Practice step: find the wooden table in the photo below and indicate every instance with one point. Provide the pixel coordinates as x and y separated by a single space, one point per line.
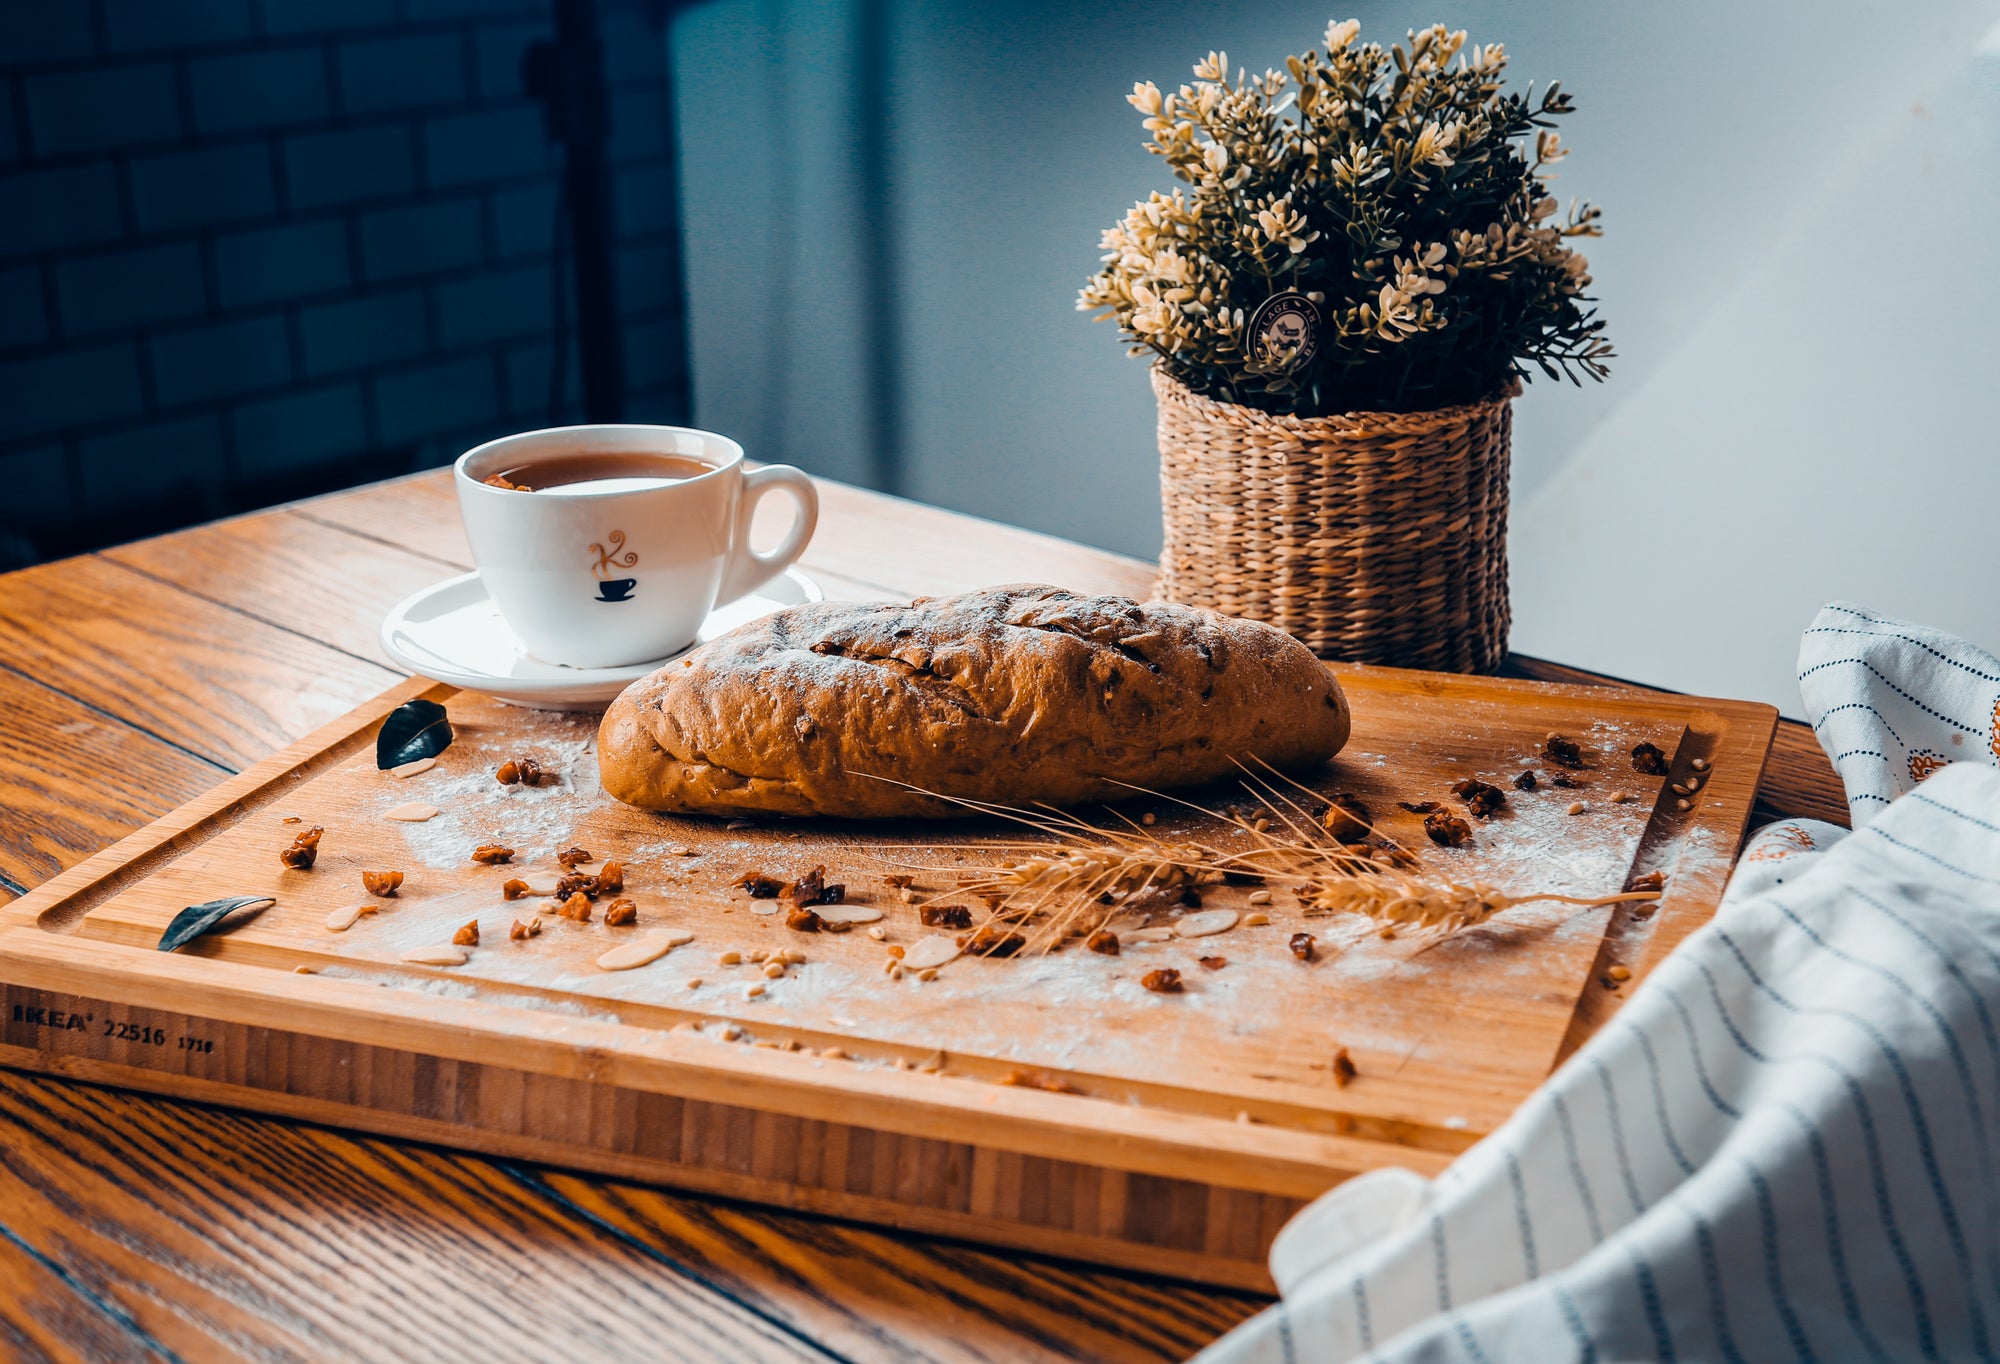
131 1227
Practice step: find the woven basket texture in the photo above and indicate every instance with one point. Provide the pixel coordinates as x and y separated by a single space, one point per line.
1374 537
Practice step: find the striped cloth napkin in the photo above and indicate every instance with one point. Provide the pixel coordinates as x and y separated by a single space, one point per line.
1782 1147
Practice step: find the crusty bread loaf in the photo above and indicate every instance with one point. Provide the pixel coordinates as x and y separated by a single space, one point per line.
1010 694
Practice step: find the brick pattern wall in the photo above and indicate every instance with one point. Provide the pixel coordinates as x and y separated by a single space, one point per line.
255 248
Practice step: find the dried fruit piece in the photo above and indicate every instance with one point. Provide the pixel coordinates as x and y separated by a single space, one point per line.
492 855
569 859
802 920
1347 819
1648 759
1164 981
1213 963
760 886
1418 807
994 940
1565 781
1563 751
304 849
468 934
945 916
611 878
620 913
900 880
1482 799
577 883
1343 1068
522 929
805 890
382 883
576 906
1447 830
1526 781
514 889
501 481
525 771
1652 880
1302 946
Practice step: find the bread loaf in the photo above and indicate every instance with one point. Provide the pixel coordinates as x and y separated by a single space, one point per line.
1010 694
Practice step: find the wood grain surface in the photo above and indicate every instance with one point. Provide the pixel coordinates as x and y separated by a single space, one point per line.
144 1229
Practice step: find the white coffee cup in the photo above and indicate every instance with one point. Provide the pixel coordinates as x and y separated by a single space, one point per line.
607 578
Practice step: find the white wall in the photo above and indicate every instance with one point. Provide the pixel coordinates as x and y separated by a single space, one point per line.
1793 273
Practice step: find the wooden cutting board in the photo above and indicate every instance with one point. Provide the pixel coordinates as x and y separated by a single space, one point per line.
1048 1102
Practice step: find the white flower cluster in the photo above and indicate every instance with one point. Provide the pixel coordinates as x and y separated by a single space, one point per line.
1393 188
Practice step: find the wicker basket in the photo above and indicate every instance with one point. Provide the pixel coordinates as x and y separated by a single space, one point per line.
1374 537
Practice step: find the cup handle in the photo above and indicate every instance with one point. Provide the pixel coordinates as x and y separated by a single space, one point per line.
749 570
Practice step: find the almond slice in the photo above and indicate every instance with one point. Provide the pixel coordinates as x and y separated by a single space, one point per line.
343 919
847 914
412 812
1149 935
930 951
647 949
412 769
436 956
1206 923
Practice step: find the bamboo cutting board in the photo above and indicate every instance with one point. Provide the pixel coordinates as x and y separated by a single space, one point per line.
1045 1102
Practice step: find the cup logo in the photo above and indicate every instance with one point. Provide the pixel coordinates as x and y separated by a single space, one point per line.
608 561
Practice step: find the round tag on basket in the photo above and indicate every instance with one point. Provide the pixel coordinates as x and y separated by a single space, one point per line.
1284 332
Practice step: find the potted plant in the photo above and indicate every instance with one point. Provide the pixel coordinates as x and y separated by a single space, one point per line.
1363 262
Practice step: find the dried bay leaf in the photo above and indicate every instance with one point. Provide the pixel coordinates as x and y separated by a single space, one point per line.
412 731
196 920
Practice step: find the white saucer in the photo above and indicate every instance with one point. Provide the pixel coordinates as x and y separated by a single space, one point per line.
452 632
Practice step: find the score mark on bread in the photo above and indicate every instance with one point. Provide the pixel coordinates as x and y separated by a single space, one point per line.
1009 694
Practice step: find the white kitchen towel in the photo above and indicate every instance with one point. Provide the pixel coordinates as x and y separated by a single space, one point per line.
1780 1148
1891 703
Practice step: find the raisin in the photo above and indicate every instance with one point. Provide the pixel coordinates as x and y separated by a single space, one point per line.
1649 760
945 916
993 940
1564 752
621 912
1483 799
1343 1068
1347 819
1213 963
1302 946
1526 781
467 935
611 879
1165 981
1447 830
492 854
383 883
1103 940
803 920
569 859
1418 807
304 850
760 886
514 889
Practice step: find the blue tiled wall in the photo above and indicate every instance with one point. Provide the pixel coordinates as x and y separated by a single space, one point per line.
276 245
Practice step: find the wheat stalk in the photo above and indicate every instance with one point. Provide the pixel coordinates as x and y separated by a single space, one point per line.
1083 875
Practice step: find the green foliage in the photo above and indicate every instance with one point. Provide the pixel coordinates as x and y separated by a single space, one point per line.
1401 191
